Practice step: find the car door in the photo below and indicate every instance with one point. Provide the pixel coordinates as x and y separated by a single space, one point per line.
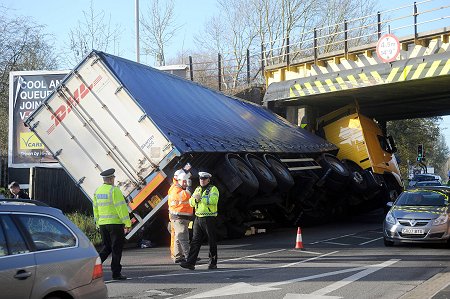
17 263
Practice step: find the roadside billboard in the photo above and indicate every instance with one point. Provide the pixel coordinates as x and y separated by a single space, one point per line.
27 90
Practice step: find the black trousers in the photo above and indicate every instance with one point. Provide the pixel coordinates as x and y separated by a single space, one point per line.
113 238
203 227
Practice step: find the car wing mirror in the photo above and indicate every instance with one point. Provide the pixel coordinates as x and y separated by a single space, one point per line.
389 204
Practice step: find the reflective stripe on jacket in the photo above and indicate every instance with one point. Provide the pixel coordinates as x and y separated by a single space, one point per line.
179 201
208 203
110 206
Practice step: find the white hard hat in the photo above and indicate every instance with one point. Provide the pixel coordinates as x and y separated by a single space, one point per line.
203 174
182 177
177 173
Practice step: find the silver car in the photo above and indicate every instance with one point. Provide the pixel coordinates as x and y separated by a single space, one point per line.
419 215
44 255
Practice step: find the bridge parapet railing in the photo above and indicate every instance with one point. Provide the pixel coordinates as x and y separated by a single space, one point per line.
341 37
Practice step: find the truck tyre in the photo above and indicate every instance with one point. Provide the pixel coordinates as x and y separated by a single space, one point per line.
284 178
372 183
250 184
266 179
357 178
339 171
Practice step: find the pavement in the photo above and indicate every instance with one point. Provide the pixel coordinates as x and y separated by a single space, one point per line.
437 287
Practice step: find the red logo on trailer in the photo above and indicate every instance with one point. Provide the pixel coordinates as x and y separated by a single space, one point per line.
388 48
79 94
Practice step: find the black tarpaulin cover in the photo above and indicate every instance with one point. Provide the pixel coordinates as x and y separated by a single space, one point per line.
198 119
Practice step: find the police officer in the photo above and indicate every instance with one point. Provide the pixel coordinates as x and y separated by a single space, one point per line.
111 216
204 200
180 214
15 190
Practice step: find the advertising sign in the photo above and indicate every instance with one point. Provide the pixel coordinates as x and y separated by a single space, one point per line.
27 90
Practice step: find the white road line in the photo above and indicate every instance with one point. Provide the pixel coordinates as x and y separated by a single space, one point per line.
339 284
308 260
184 273
245 288
304 251
364 243
332 239
361 237
336 243
249 256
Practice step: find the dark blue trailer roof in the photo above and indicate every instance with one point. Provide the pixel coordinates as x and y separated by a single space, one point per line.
198 119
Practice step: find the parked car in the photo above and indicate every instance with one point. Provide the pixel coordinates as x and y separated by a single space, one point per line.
423 177
44 255
419 215
427 183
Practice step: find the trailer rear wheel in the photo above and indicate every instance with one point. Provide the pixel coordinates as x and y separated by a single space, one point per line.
339 171
284 179
267 180
250 184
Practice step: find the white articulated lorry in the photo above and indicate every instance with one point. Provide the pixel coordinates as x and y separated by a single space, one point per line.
112 112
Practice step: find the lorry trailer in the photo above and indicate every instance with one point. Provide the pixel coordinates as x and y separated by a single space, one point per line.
110 112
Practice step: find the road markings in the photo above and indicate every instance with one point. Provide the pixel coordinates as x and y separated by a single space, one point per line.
331 239
364 243
308 260
336 243
245 288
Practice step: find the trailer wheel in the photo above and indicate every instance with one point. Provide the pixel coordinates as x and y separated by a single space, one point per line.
267 180
284 178
250 184
339 171
357 178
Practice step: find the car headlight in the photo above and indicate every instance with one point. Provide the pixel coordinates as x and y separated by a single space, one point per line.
390 219
441 219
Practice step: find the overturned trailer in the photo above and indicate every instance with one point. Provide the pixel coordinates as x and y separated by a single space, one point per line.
112 112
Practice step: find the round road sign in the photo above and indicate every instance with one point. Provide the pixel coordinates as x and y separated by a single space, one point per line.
388 47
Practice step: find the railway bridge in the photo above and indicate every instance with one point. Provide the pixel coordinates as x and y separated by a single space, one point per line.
415 84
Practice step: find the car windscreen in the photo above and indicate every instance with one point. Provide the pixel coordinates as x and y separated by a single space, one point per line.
422 198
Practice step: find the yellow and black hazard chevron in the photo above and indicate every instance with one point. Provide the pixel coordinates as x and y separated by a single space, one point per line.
414 69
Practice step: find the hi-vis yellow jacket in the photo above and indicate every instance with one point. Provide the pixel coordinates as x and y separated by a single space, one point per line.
207 207
110 206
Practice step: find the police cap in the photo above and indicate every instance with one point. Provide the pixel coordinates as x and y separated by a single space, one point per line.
204 175
108 173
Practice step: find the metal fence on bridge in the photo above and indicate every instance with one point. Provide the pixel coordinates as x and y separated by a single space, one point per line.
230 73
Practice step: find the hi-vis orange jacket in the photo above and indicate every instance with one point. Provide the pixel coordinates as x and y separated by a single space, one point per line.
179 202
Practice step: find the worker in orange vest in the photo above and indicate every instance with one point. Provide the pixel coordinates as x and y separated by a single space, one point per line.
180 214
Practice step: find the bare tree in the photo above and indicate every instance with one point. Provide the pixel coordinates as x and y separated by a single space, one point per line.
94 31
229 33
159 27
23 46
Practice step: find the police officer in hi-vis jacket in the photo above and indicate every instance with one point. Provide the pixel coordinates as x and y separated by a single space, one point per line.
111 216
204 200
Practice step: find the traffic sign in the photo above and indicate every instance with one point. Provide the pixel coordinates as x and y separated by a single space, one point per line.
388 47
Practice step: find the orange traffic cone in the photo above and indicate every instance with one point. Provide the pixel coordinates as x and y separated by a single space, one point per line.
298 241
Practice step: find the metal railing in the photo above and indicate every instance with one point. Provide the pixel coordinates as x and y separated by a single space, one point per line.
231 74
341 37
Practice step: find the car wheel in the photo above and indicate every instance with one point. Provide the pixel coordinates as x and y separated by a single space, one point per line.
388 243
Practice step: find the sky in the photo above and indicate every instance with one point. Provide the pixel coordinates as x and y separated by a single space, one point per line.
60 16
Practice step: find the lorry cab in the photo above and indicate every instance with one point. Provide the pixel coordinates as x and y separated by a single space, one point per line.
361 140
